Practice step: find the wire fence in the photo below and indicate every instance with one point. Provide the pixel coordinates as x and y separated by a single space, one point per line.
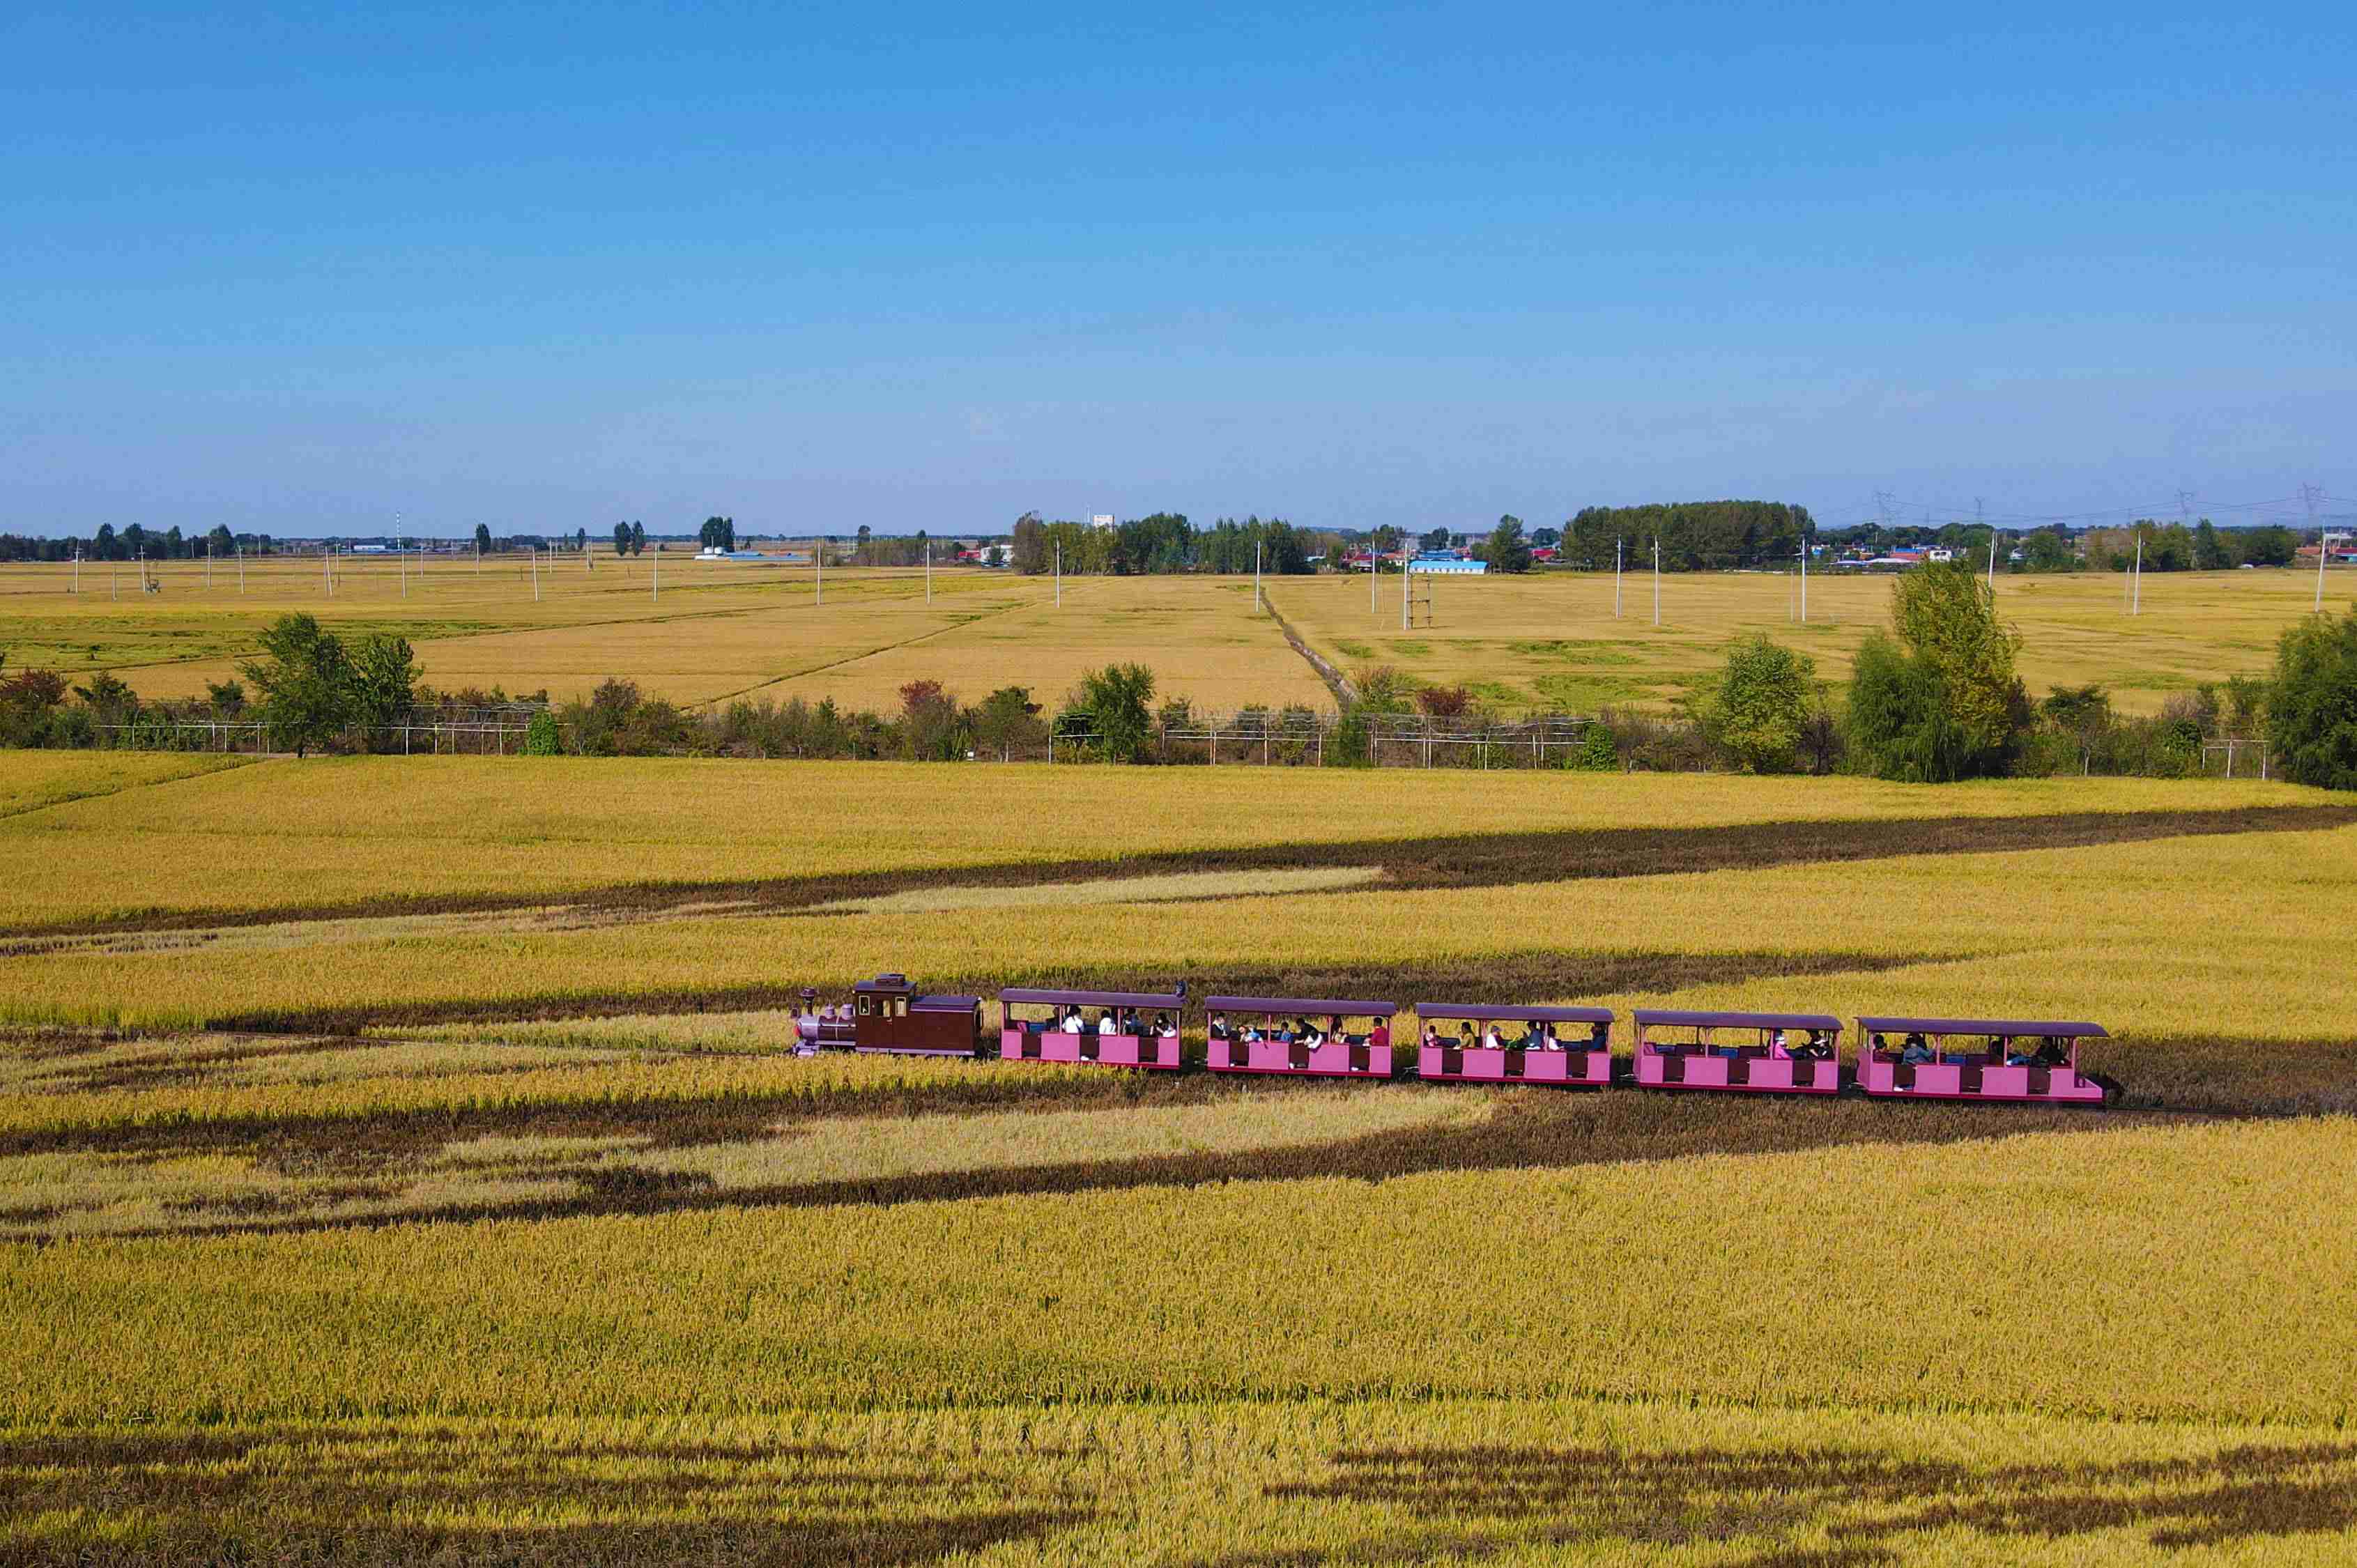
451 731
1313 740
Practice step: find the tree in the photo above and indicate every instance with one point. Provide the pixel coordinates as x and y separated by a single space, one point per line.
102 546
1118 700
581 539
1943 701
1546 538
2312 705
220 544
1761 705
304 679
621 539
1434 539
2047 551
863 544
482 539
1008 720
1507 551
719 534
383 682
638 538
2210 552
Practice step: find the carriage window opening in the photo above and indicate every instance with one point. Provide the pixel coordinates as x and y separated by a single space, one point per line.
862 1006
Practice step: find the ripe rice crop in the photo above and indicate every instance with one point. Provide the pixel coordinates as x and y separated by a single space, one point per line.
2066 1275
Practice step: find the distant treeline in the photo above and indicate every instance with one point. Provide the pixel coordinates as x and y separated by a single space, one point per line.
1695 536
1167 543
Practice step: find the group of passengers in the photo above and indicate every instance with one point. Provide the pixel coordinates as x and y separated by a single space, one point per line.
1915 1050
1782 1045
1302 1031
1536 1036
1076 1020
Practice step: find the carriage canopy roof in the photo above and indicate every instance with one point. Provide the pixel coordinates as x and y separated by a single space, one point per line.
1677 1019
1303 1005
2047 1030
1171 999
1479 1012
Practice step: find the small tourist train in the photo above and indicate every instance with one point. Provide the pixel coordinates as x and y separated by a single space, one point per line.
2033 1061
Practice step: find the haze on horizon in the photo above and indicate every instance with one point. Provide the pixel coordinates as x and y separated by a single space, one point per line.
304 271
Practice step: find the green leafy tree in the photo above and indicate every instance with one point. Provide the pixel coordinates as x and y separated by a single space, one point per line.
542 737
1507 550
483 537
1761 706
220 544
304 678
2209 551
2312 704
383 683
638 538
621 539
1009 721
1118 700
1434 539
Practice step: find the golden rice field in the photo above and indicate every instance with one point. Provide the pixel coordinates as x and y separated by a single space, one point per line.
1547 641
400 1161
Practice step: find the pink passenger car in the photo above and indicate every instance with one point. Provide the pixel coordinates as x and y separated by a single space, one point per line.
1264 1034
1116 1028
1585 1058
2006 1058
1768 1053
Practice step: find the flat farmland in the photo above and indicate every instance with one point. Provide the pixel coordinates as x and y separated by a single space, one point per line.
400 1160
1547 641
1551 640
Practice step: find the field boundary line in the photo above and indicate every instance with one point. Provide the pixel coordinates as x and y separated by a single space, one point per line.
237 760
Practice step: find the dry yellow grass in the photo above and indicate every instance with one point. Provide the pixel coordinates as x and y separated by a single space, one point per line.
31 780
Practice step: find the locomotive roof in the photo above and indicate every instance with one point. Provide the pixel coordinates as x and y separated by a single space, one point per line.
945 1003
2052 1030
1678 1018
1514 1015
1097 998
1304 1005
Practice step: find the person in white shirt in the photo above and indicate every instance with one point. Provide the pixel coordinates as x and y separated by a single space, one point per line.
1109 1022
1492 1040
1073 1024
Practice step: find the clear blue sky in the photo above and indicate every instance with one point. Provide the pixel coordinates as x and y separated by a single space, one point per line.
306 268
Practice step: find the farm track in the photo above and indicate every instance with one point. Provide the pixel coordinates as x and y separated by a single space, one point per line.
1449 861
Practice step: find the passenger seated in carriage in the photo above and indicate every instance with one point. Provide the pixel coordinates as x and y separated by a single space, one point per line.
1466 1040
1432 1041
1072 1023
1219 1025
1109 1022
2003 1049
1164 1029
2050 1052
1599 1035
1917 1051
1493 1038
1306 1033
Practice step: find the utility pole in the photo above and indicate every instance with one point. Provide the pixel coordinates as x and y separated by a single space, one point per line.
1373 606
1616 578
1657 580
929 570
818 559
657 595
2136 600
77 582
237 548
1407 588
1805 579
1059 573
2310 493
1256 578
536 574
209 560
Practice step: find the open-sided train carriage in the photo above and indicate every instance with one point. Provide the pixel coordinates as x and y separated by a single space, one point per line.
1114 1029
1548 1045
2015 1058
1784 1053
889 1018
1266 1034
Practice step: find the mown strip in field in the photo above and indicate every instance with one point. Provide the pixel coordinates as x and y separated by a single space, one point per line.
1462 859
1314 1483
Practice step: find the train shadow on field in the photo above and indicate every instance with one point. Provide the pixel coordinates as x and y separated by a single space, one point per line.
385 1496
1833 1508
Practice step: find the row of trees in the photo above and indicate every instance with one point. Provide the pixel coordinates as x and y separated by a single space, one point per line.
1694 535
1167 543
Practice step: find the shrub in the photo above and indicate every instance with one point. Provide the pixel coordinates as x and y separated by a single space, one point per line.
1596 754
542 737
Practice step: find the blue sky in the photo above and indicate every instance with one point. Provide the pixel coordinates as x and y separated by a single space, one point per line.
310 269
